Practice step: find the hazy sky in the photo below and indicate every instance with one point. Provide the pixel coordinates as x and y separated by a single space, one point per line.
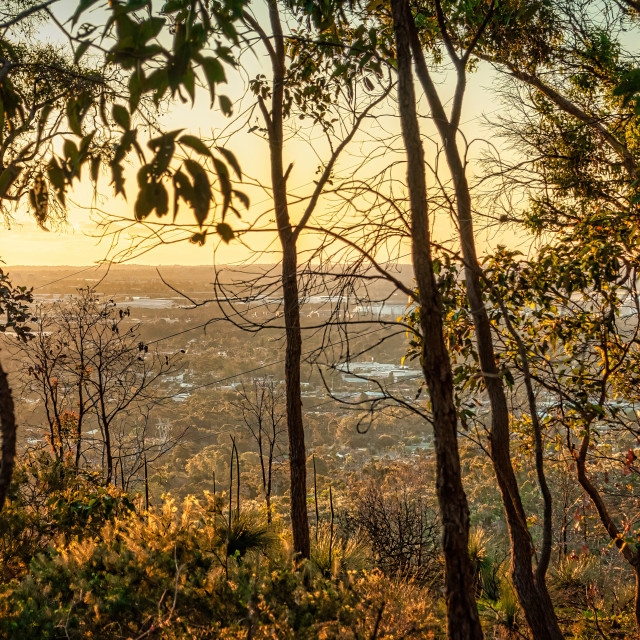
77 242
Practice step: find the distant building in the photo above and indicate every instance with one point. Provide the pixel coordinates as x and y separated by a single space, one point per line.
358 372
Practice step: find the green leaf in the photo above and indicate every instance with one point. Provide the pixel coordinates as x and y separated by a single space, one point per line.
181 189
158 82
39 199
136 88
121 116
80 51
224 231
196 144
160 199
225 183
144 204
214 72
70 150
199 238
189 82
85 143
173 5
74 117
508 377
117 178
95 168
7 178
225 105
164 147
201 195
231 159
150 29
57 179
83 5
243 197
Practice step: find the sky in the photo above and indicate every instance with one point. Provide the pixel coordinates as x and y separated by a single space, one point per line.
77 242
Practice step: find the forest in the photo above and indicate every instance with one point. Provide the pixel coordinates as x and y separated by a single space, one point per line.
402 398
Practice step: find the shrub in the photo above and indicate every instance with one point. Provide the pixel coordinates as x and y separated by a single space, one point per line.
401 529
171 570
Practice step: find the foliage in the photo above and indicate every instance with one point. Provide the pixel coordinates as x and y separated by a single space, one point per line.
39 85
484 564
245 533
15 307
165 570
80 556
80 561
89 116
335 554
50 500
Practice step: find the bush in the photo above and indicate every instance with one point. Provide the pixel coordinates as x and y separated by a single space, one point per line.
335 555
484 565
48 500
401 529
172 569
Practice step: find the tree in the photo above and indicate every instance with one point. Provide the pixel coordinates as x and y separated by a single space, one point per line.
462 613
46 97
530 587
88 367
578 118
579 74
34 83
401 527
49 99
584 356
94 112
130 40
300 77
462 31
263 414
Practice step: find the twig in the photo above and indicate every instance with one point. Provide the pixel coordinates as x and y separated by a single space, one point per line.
376 626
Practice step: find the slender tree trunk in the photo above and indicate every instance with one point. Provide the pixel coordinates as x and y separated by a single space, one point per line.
629 553
288 234
295 427
81 412
462 614
565 521
636 602
532 594
267 499
107 451
146 485
268 485
106 431
8 429
293 354
545 553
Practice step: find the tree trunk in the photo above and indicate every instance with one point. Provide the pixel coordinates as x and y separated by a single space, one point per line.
8 429
636 602
532 594
628 552
295 427
108 453
81 412
462 614
268 484
293 354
